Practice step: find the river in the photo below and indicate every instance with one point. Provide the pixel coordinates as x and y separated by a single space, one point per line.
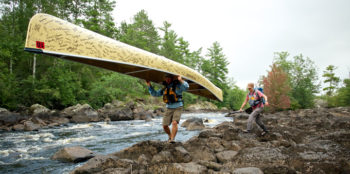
30 152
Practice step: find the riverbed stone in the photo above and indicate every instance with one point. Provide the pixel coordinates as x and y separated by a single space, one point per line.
30 126
73 154
81 114
193 124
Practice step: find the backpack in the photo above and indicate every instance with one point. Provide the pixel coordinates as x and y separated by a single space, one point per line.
169 94
262 91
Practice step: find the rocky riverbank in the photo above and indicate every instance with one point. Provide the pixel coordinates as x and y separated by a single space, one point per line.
37 116
304 141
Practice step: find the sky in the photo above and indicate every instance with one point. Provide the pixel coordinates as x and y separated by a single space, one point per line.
251 31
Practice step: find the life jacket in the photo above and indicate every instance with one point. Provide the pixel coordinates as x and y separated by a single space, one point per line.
169 92
254 98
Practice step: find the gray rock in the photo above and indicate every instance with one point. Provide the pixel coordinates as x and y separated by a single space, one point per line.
37 110
226 156
105 164
30 126
8 118
248 170
193 124
81 113
18 127
73 154
185 168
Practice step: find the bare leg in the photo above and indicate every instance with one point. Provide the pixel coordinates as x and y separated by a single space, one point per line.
174 130
167 130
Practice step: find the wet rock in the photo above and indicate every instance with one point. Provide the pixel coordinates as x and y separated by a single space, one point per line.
37 120
30 126
193 124
8 118
73 154
18 127
81 114
248 170
117 114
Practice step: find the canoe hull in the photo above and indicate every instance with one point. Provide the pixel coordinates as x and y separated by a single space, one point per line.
53 36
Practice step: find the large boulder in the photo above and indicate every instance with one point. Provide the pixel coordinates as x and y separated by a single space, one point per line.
81 114
193 124
8 118
139 113
157 152
117 112
226 156
106 164
39 110
73 154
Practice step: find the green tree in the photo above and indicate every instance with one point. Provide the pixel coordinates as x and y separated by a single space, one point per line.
343 96
215 67
331 79
302 78
169 41
140 33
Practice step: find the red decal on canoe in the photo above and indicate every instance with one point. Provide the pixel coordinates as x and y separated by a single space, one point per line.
40 44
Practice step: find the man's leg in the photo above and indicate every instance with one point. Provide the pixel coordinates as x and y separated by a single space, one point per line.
173 130
252 117
167 130
167 120
175 122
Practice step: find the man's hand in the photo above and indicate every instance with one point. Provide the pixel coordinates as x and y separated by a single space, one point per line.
148 83
241 110
179 78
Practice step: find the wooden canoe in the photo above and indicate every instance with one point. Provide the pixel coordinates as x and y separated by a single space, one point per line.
55 37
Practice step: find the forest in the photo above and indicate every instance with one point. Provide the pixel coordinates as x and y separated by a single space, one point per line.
292 82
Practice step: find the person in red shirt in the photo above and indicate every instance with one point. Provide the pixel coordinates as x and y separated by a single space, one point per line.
254 97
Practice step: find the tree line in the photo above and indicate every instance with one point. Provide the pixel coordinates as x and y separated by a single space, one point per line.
27 78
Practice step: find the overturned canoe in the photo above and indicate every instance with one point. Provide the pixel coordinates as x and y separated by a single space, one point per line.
55 37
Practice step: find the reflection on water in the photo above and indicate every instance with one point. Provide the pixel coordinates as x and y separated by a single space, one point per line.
30 152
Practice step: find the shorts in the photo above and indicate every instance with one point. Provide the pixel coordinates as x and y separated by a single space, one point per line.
171 115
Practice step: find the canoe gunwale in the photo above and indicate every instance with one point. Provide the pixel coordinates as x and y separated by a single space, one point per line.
63 55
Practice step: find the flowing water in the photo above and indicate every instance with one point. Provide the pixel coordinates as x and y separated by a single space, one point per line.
30 152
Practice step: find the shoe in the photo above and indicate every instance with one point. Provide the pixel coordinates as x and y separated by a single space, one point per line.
172 141
264 133
246 131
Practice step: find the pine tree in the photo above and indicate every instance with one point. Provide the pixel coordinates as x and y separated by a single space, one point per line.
216 66
331 79
140 33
